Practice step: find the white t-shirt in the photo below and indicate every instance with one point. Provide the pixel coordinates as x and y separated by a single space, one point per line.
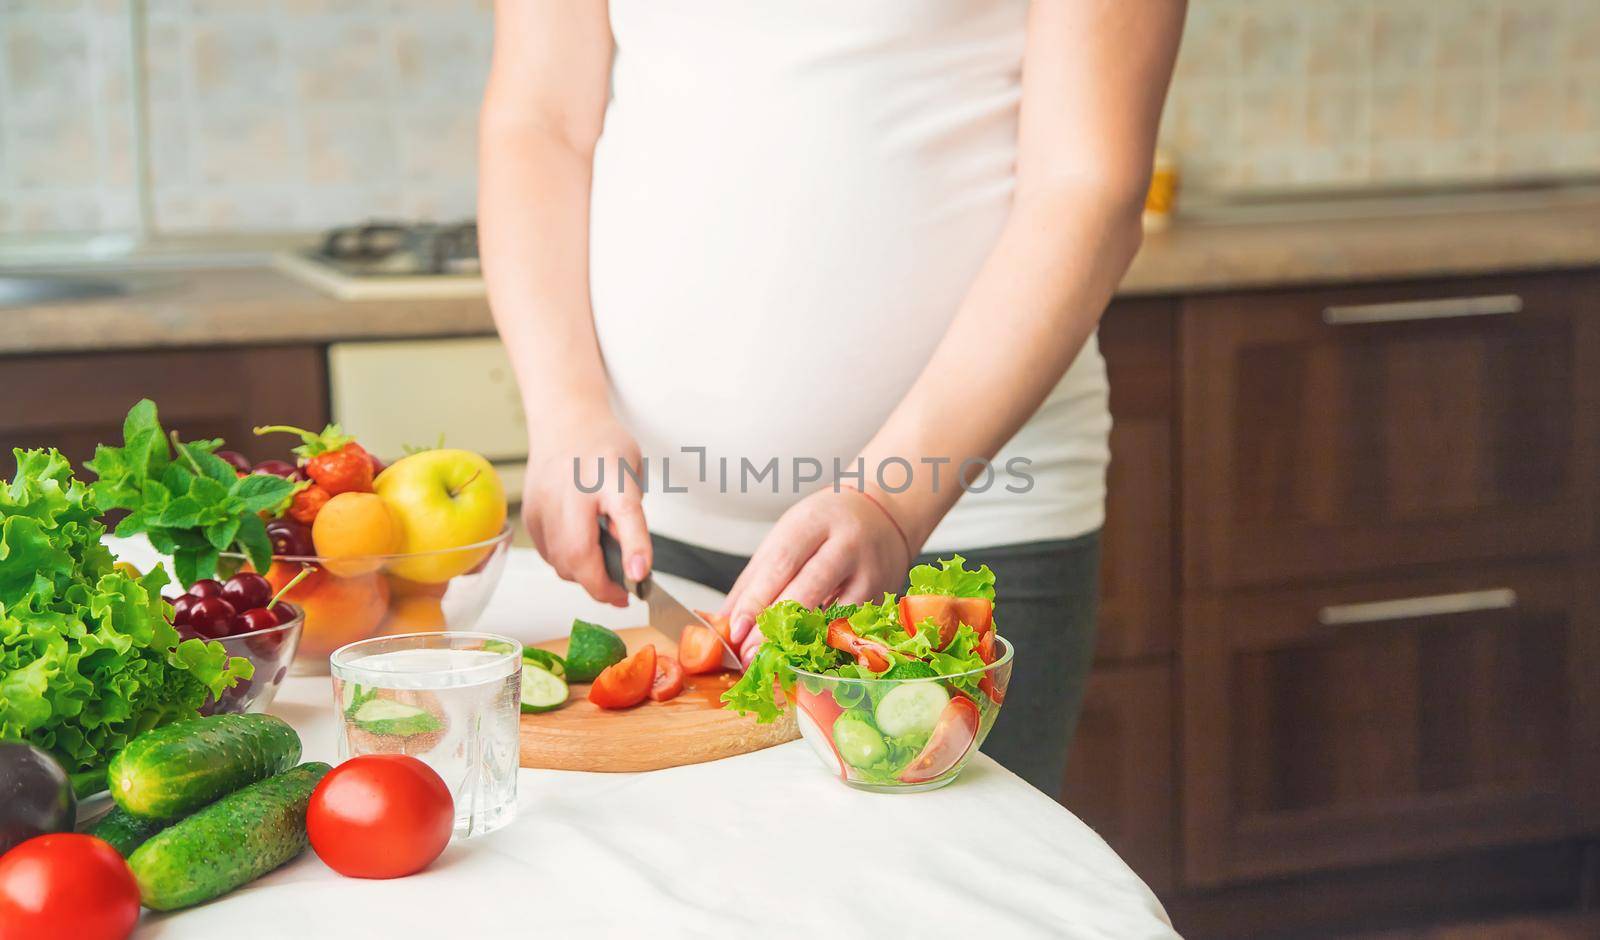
790 201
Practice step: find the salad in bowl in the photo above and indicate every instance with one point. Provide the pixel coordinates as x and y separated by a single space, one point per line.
894 696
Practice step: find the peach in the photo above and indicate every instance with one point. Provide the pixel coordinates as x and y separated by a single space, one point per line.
353 528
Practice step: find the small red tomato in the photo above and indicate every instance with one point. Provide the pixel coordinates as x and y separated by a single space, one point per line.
380 816
66 885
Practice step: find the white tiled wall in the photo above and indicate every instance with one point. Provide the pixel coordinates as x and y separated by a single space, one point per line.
1276 94
275 114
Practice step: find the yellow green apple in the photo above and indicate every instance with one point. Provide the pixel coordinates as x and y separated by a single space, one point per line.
442 499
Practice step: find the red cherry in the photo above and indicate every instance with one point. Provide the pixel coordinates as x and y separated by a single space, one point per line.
291 538
246 590
276 468
181 609
211 617
206 587
258 618
235 460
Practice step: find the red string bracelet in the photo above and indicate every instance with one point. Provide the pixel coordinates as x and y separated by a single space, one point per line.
890 516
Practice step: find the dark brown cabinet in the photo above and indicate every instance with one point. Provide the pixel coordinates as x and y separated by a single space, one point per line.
1120 779
72 402
1350 620
1383 720
1329 433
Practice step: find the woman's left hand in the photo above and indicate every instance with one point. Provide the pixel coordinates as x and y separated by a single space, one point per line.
830 546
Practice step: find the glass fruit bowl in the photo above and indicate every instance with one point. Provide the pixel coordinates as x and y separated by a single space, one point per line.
361 596
900 735
270 651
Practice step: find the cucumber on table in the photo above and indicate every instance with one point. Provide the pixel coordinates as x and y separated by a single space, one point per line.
542 691
178 768
232 842
591 649
125 832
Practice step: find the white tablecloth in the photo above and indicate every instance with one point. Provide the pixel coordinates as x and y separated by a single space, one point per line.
767 844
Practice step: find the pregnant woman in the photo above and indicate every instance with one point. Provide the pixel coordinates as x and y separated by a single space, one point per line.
813 263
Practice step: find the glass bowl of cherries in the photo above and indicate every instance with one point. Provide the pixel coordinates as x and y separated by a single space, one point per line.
246 616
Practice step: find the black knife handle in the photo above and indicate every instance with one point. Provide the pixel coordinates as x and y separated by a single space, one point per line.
611 549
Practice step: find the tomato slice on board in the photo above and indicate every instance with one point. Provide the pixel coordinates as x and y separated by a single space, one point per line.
952 736
669 679
948 612
816 715
868 653
699 650
625 684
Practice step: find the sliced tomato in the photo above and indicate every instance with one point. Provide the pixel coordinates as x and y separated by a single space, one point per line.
948 612
719 623
699 650
976 612
951 738
815 717
669 679
625 684
868 653
987 685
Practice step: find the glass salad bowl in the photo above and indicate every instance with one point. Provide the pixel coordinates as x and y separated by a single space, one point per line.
270 651
900 735
357 597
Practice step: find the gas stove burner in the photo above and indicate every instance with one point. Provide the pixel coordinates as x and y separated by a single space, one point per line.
394 248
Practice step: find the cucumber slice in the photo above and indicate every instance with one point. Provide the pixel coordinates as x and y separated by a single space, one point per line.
352 695
545 660
858 743
542 690
385 716
911 709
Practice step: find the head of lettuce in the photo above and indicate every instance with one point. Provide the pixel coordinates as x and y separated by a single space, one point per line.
88 658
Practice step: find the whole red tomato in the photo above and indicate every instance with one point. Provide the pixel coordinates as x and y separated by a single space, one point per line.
66 885
380 816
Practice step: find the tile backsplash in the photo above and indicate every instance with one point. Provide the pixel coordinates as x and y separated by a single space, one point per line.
300 114
1282 94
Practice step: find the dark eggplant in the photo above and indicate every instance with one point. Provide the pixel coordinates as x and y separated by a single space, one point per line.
35 794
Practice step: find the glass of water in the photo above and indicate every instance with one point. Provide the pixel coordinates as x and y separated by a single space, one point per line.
450 699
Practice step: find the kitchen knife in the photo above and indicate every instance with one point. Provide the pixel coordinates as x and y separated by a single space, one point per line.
667 614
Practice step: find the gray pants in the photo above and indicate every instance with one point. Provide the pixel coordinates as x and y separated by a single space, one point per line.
1048 596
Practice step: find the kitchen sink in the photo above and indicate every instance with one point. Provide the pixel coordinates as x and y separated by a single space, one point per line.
24 290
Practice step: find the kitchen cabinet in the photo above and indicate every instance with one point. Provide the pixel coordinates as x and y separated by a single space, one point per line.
1120 777
1137 618
1365 429
1380 720
1351 601
73 401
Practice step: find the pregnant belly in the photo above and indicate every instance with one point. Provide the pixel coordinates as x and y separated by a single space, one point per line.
762 317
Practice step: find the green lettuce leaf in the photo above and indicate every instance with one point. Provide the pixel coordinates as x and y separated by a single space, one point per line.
87 657
951 577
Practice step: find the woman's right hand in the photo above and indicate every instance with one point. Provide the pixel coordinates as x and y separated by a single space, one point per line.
562 519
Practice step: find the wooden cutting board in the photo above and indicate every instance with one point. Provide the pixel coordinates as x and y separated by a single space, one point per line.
689 729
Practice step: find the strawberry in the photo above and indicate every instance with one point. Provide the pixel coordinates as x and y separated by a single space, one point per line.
332 459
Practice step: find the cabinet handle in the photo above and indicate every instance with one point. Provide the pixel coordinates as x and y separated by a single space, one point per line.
1444 308
1405 608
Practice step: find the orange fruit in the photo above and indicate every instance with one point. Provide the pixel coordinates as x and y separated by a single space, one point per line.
417 613
339 610
351 529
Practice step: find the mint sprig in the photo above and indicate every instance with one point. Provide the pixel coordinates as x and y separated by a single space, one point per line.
189 502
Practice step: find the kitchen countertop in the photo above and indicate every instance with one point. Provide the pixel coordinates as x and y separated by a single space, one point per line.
735 846
220 306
